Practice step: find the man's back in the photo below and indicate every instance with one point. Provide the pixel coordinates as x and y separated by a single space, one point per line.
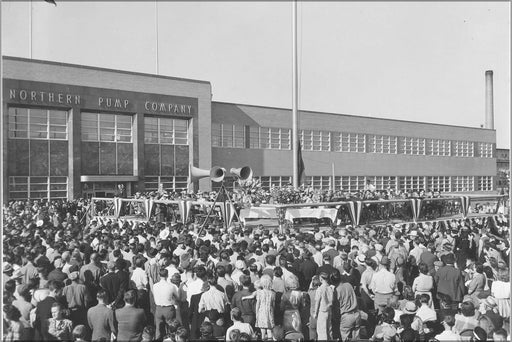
449 282
111 284
101 321
130 323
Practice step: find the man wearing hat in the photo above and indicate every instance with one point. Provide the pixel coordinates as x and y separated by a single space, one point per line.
449 280
489 308
383 284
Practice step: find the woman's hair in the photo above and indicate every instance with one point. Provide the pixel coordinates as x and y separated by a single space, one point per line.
406 320
467 309
315 282
423 268
79 332
479 268
292 283
234 335
266 282
11 312
278 272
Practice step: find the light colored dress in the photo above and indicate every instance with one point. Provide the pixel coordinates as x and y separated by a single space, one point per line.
501 292
265 302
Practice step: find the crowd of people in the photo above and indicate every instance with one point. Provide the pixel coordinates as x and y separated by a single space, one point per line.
65 279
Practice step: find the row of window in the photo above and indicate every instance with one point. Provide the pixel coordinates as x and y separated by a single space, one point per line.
224 135
152 183
401 183
52 124
38 187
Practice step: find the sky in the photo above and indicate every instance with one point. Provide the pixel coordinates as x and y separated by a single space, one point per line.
417 61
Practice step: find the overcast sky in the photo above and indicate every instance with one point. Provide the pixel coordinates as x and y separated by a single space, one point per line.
423 61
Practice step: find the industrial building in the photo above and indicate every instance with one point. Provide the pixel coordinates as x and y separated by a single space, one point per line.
72 131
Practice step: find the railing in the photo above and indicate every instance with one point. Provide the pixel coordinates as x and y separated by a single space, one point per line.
339 213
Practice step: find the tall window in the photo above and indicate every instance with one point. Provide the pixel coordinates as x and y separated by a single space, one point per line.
270 138
38 187
439 183
383 182
382 144
485 183
411 183
414 146
349 183
349 142
319 182
165 131
38 123
464 149
106 127
463 183
440 147
268 182
151 183
485 150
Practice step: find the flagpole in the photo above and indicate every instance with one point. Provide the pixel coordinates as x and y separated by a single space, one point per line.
30 30
156 29
295 118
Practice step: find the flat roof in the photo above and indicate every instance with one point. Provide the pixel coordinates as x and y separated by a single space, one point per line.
351 115
79 66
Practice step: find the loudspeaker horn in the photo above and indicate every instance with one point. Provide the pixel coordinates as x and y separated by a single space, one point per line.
217 174
197 173
243 173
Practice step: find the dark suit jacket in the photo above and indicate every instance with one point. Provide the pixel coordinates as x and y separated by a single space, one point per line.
101 321
450 282
111 283
130 323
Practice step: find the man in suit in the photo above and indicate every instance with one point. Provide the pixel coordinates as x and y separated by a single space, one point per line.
130 320
111 283
101 318
449 280
44 310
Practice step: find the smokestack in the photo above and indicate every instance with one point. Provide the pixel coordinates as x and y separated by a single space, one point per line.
489 102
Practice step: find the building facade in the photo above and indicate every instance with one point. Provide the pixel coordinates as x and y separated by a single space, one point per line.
73 131
503 169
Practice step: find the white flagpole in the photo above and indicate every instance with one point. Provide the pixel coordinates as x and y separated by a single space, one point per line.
295 118
156 40
30 30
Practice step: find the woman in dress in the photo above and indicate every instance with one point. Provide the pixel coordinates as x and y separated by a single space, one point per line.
17 328
500 290
292 302
423 283
265 302
59 327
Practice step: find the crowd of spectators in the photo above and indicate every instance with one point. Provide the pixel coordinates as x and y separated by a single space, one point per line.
68 279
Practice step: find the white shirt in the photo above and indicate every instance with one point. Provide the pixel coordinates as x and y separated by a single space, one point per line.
171 269
426 314
448 335
194 287
140 278
213 299
165 293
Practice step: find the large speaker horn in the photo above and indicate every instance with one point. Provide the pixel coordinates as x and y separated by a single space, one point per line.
197 173
243 172
217 174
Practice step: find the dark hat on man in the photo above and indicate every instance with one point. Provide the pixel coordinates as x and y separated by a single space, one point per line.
449 258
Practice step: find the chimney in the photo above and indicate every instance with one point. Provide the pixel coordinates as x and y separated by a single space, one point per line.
489 103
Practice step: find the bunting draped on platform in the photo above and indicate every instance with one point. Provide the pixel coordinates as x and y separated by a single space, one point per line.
182 207
358 206
117 206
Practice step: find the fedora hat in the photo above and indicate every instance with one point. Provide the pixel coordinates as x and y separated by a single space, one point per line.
410 308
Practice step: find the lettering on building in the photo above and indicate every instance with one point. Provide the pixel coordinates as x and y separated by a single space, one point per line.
109 102
43 96
171 108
